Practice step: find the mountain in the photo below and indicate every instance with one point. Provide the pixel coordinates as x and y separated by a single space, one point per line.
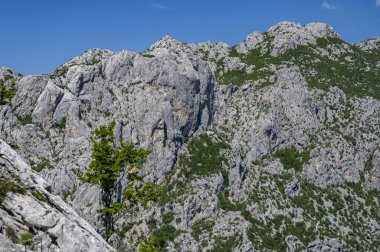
271 144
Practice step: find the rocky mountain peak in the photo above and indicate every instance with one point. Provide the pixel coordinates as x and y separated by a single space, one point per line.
288 35
369 44
321 30
91 56
165 45
253 40
316 30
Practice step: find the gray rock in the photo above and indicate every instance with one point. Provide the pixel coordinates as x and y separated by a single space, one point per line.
58 225
293 189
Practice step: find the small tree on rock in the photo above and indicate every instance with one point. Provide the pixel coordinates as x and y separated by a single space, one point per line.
110 164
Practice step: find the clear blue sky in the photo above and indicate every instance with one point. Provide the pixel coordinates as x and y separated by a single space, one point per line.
39 35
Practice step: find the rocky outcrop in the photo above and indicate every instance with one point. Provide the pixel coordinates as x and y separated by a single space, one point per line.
288 35
33 217
370 44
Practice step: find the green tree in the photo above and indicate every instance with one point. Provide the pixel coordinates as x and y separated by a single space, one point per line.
111 163
6 95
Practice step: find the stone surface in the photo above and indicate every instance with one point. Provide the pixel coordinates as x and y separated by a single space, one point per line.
55 225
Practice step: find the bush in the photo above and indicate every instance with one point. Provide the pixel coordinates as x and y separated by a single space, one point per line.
26 238
200 226
6 95
24 120
291 158
205 157
159 239
61 124
8 186
44 163
11 234
39 195
168 218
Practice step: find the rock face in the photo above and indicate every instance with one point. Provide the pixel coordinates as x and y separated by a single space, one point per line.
288 35
32 216
272 144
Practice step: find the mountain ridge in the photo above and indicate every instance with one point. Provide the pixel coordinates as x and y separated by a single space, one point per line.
269 144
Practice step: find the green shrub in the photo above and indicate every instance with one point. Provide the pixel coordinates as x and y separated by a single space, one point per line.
24 120
159 239
146 55
14 146
6 95
61 124
26 238
44 163
38 195
291 158
61 71
205 157
225 244
167 218
201 226
11 234
8 186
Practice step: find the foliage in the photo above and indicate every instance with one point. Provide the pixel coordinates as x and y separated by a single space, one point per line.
39 195
147 55
148 192
61 124
159 239
6 94
225 244
204 159
61 71
26 238
44 163
14 146
167 218
8 186
292 158
24 120
11 233
109 165
200 226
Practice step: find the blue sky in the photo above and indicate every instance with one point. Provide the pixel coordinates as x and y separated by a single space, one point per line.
39 35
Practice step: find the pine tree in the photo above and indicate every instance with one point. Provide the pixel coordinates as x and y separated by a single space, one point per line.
110 164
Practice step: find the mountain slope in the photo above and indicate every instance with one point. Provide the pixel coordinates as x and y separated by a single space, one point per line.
32 217
271 144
